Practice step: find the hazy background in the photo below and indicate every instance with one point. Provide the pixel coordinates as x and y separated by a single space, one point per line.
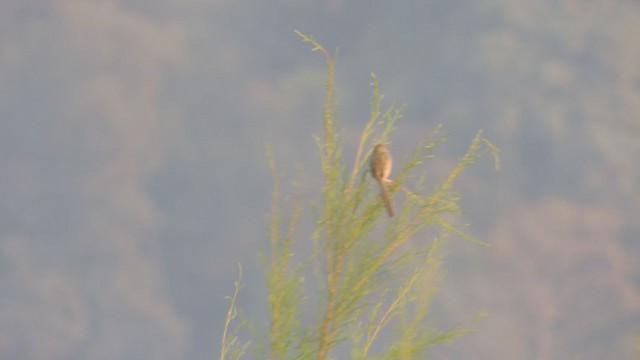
133 177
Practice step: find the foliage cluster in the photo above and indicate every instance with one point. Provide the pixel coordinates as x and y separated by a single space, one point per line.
377 276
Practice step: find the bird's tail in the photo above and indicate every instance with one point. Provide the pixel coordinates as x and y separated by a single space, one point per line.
385 198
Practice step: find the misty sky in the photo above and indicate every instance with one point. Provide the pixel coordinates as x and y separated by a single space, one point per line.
134 178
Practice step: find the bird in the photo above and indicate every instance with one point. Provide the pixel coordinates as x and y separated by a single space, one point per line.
380 171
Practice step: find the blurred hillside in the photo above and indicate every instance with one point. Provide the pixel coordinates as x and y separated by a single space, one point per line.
134 178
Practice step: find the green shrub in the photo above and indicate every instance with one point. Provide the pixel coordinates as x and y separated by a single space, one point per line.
377 275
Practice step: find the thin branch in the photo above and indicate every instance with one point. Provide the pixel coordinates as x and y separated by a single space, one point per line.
389 313
373 116
231 314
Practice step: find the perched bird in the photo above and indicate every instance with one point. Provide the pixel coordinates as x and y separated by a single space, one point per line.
380 170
